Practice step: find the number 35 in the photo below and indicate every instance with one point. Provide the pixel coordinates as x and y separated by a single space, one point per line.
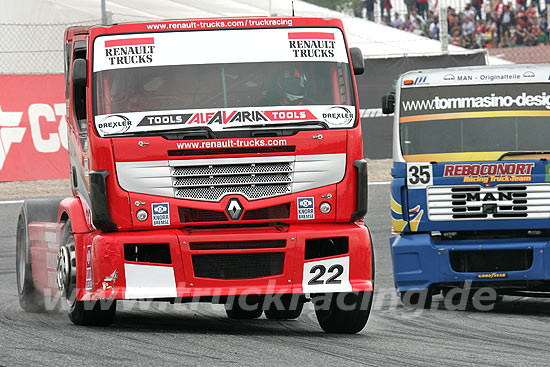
419 175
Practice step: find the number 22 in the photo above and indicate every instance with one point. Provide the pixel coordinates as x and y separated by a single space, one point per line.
320 270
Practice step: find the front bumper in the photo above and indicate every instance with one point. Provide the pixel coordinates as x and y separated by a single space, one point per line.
109 272
419 262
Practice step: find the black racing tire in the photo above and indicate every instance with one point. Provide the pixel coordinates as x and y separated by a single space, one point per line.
235 311
84 313
30 299
349 320
33 210
93 313
346 321
291 310
284 314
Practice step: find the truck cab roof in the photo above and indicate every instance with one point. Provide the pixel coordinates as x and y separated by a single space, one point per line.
502 74
197 24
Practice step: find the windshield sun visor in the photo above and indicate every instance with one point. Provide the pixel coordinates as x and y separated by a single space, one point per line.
142 83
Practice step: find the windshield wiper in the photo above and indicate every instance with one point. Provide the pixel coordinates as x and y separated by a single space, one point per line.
195 132
294 124
510 154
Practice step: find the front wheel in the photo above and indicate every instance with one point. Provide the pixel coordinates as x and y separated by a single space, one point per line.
348 312
93 313
291 308
344 313
85 313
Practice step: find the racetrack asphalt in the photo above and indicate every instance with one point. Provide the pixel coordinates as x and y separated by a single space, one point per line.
514 333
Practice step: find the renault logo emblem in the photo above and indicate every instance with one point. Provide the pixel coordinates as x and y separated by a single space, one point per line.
234 209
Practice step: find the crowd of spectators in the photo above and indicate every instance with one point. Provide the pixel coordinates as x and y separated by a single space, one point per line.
488 24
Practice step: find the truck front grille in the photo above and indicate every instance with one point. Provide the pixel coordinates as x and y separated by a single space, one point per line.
232 169
190 215
498 202
251 192
476 261
211 182
271 212
238 266
211 179
236 245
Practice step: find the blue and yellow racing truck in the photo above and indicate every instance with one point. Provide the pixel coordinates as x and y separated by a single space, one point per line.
470 195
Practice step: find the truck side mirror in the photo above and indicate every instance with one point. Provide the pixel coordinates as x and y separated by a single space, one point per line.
79 94
388 103
357 60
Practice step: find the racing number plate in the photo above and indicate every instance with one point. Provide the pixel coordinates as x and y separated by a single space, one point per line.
324 276
419 175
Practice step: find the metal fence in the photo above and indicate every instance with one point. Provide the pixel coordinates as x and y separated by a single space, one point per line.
33 48
38 48
398 6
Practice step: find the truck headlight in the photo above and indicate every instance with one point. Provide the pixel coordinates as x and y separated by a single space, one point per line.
142 215
325 208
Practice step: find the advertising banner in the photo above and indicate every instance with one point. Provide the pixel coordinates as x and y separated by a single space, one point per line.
33 130
258 45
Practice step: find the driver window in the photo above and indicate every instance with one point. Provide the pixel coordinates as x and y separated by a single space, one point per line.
79 94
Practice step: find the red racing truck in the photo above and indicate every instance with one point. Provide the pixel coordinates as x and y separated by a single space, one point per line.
212 160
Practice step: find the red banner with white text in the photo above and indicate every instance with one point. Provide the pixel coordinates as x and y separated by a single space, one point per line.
33 130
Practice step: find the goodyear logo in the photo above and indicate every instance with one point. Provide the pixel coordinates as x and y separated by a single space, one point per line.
492 275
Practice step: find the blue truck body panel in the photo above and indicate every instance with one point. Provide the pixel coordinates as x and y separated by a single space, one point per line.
420 260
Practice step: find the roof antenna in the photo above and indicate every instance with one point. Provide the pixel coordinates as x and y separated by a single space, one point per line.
292 7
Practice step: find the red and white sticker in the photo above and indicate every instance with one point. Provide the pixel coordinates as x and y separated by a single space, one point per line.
216 120
254 45
331 275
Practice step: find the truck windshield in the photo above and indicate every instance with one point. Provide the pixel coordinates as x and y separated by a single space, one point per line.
210 86
270 76
474 118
